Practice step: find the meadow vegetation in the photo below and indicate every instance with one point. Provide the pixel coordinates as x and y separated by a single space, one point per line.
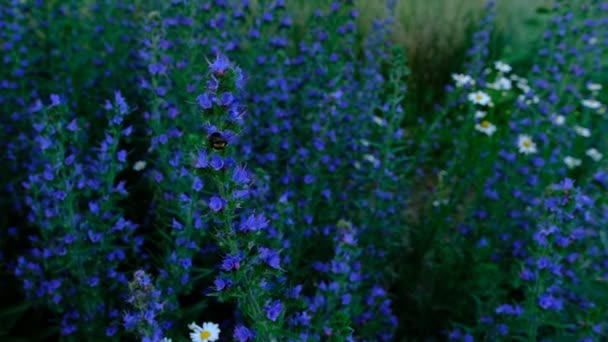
294 170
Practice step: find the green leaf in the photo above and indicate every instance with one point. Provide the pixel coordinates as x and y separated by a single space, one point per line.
15 310
543 10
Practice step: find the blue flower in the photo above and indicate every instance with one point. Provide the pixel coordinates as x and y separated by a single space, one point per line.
270 257
231 262
197 184
221 284
242 334
219 65
225 99
204 101
217 163
202 160
121 103
217 203
273 310
55 100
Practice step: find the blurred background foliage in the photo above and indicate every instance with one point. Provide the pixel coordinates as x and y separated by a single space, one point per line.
436 34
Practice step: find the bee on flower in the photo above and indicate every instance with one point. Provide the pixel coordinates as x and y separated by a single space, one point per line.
217 141
572 162
591 103
486 127
525 144
502 67
209 332
463 80
480 98
594 154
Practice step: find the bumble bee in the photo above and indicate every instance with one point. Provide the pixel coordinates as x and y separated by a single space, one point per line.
217 141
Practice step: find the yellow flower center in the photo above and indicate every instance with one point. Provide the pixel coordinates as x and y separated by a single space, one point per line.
204 334
478 97
527 143
485 124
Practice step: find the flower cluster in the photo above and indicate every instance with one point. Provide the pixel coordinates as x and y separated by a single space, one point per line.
271 170
555 269
73 195
248 268
148 305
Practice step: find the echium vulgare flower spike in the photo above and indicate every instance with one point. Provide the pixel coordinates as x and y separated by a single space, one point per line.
384 163
479 51
248 269
556 265
340 289
72 196
178 191
147 303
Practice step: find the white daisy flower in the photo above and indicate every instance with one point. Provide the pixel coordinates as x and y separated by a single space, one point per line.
521 98
572 162
440 202
594 154
364 142
582 131
379 121
502 67
463 80
592 103
592 41
373 160
525 144
480 114
502 83
209 332
139 165
480 98
524 87
505 83
594 86
558 120
486 127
